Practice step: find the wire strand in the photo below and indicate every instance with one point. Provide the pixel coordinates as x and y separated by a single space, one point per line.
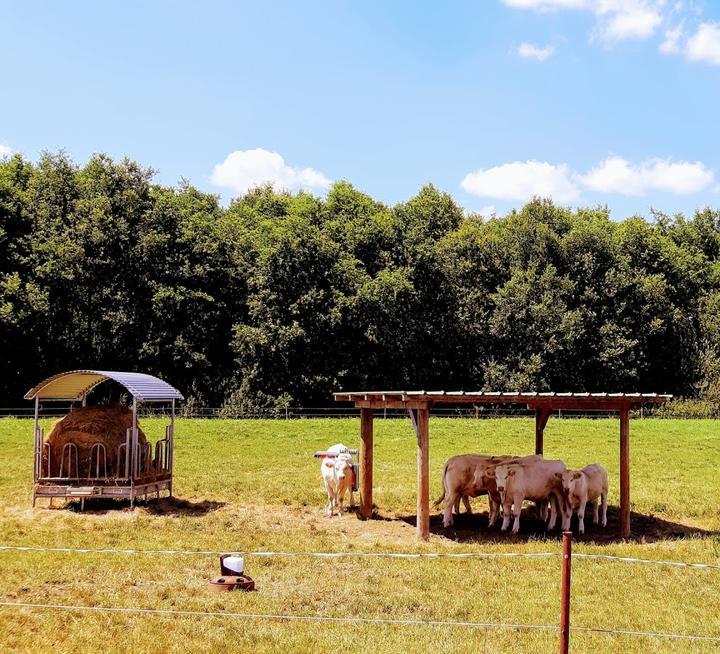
368 555
356 620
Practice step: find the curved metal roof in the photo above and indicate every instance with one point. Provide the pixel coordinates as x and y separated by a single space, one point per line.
74 384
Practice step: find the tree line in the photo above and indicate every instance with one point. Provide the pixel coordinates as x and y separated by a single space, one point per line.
282 298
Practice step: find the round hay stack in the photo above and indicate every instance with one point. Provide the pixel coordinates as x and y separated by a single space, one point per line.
84 427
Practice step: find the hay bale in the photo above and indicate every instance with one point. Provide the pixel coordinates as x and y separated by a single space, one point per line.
84 427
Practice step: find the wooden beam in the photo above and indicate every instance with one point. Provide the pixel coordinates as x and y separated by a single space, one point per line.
391 404
541 418
366 463
624 526
423 474
413 413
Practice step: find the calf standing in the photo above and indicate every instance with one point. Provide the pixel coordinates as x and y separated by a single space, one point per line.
580 487
337 475
530 480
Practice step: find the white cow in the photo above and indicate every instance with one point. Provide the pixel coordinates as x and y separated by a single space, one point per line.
580 487
337 475
529 480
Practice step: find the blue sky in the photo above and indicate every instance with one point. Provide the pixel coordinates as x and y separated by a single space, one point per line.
590 101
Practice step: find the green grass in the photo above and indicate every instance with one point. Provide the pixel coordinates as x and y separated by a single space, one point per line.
253 485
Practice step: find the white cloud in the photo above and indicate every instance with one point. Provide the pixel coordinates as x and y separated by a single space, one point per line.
704 45
627 19
245 169
487 210
617 175
5 150
671 44
616 19
547 5
521 180
531 51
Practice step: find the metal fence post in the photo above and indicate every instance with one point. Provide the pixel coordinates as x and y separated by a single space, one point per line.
565 593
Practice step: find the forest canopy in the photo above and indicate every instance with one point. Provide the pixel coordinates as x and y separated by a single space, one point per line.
282 298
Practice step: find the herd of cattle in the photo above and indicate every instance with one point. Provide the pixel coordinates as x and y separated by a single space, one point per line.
508 481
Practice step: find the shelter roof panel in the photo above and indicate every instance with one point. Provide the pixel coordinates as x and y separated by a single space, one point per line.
566 400
74 384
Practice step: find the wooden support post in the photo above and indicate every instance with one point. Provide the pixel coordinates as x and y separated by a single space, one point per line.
541 418
366 463
423 473
565 593
624 526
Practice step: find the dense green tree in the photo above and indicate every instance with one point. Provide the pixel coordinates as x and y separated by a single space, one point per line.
285 297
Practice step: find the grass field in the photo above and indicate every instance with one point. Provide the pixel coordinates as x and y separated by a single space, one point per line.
253 485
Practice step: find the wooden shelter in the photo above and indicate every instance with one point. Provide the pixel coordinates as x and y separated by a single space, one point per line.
419 403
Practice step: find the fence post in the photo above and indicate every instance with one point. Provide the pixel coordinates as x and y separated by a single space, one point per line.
565 593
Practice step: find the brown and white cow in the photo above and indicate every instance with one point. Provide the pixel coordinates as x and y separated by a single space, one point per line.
471 475
580 487
532 479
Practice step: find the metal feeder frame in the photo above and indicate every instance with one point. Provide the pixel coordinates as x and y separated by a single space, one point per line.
136 475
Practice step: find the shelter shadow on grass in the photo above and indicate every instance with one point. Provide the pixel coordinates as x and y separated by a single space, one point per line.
167 506
646 528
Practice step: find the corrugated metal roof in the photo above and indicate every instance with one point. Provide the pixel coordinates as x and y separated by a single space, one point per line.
72 385
501 397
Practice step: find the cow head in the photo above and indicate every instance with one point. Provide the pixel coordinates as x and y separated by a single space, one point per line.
343 467
502 474
569 481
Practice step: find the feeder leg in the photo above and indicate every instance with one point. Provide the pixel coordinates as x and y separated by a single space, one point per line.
82 503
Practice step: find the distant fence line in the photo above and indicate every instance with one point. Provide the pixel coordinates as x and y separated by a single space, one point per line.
57 410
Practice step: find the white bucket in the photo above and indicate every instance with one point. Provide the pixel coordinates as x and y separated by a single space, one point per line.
234 563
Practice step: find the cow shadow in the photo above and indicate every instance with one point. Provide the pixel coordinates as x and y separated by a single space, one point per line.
645 528
165 506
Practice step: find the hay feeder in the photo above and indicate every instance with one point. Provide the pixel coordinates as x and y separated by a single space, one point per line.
88 468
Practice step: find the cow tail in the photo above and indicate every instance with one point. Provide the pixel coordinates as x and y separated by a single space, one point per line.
439 500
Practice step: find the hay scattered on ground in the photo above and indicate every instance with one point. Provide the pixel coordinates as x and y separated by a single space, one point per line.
84 427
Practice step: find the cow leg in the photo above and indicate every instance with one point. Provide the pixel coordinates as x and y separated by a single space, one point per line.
507 509
466 502
450 501
604 509
543 510
517 508
565 511
581 516
352 499
330 493
596 511
553 513
493 511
